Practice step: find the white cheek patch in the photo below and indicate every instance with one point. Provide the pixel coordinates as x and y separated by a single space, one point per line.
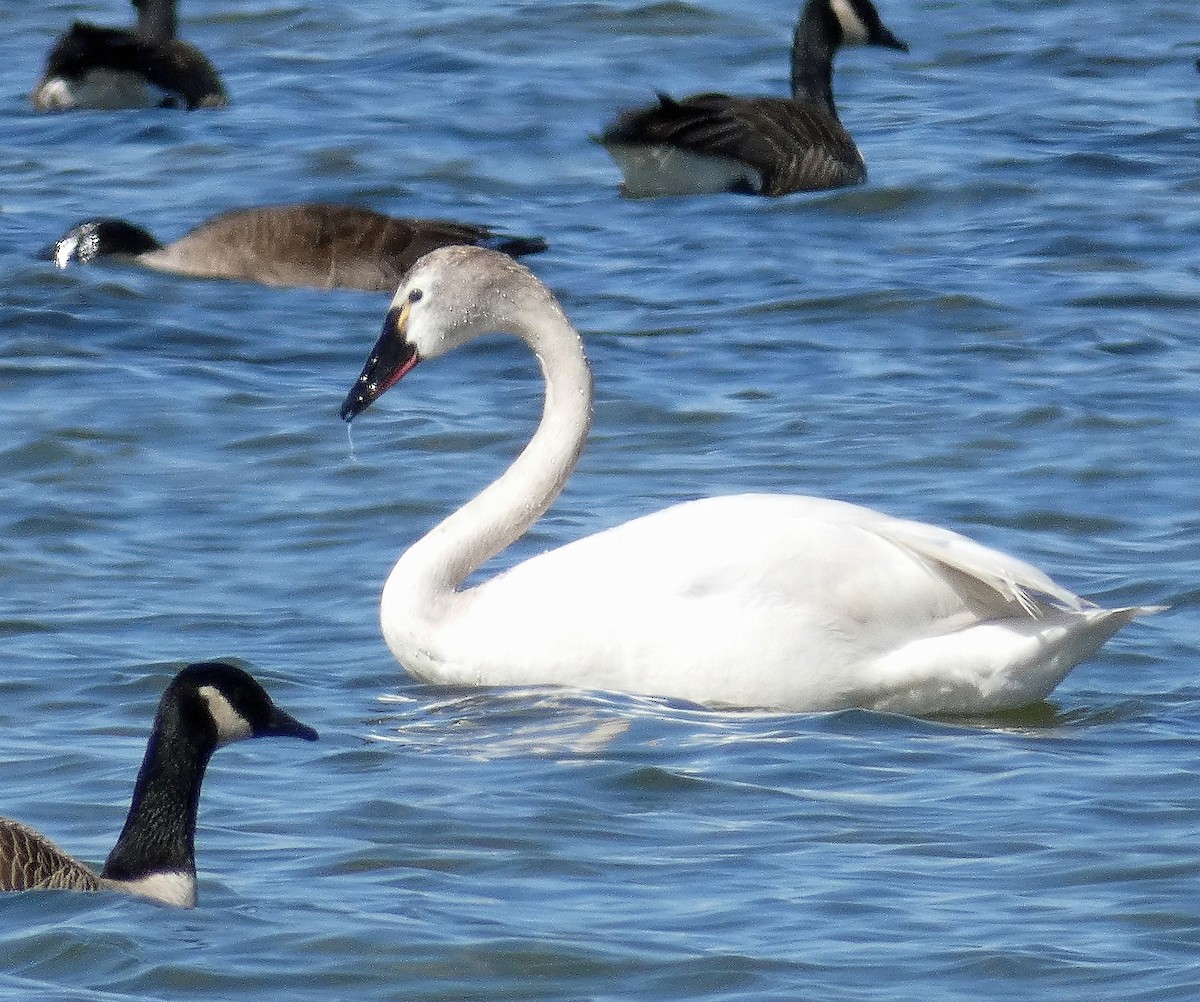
231 725
854 30
65 251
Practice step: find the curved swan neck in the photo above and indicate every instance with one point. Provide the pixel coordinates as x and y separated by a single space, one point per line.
812 55
441 561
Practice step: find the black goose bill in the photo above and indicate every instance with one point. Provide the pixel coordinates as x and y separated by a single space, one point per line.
282 724
390 360
885 38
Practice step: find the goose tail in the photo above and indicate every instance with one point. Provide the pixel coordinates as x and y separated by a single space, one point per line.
514 246
1104 623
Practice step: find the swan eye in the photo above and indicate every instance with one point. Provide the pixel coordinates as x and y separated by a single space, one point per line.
415 295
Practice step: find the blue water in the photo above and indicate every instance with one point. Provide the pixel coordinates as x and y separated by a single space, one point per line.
996 333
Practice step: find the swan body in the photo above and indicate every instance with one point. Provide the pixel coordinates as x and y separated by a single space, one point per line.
207 705
709 143
315 244
143 67
755 601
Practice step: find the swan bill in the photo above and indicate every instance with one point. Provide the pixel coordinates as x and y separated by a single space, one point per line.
392 358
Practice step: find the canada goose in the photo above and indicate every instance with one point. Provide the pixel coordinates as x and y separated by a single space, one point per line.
206 706
712 143
142 67
326 246
758 600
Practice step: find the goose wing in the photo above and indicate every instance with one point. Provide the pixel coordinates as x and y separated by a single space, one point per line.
184 69
321 245
30 861
793 145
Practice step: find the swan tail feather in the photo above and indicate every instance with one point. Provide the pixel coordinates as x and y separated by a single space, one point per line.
1011 580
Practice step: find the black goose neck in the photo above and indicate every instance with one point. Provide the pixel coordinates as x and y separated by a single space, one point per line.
813 45
160 830
156 19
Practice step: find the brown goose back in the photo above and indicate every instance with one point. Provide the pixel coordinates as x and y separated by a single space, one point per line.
316 244
30 861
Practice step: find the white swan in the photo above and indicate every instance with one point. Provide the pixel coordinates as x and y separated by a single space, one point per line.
769 601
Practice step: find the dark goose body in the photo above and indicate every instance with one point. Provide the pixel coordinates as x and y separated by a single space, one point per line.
207 705
146 66
713 142
320 245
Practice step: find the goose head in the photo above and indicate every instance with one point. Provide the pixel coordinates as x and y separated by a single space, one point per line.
225 704
859 23
99 238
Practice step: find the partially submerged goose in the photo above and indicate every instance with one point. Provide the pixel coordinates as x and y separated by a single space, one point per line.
758 600
142 67
206 706
712 143
312 244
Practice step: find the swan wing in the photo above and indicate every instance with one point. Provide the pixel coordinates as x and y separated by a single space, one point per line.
801 526
1010 579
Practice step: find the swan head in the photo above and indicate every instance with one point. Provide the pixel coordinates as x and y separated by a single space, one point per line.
449 297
